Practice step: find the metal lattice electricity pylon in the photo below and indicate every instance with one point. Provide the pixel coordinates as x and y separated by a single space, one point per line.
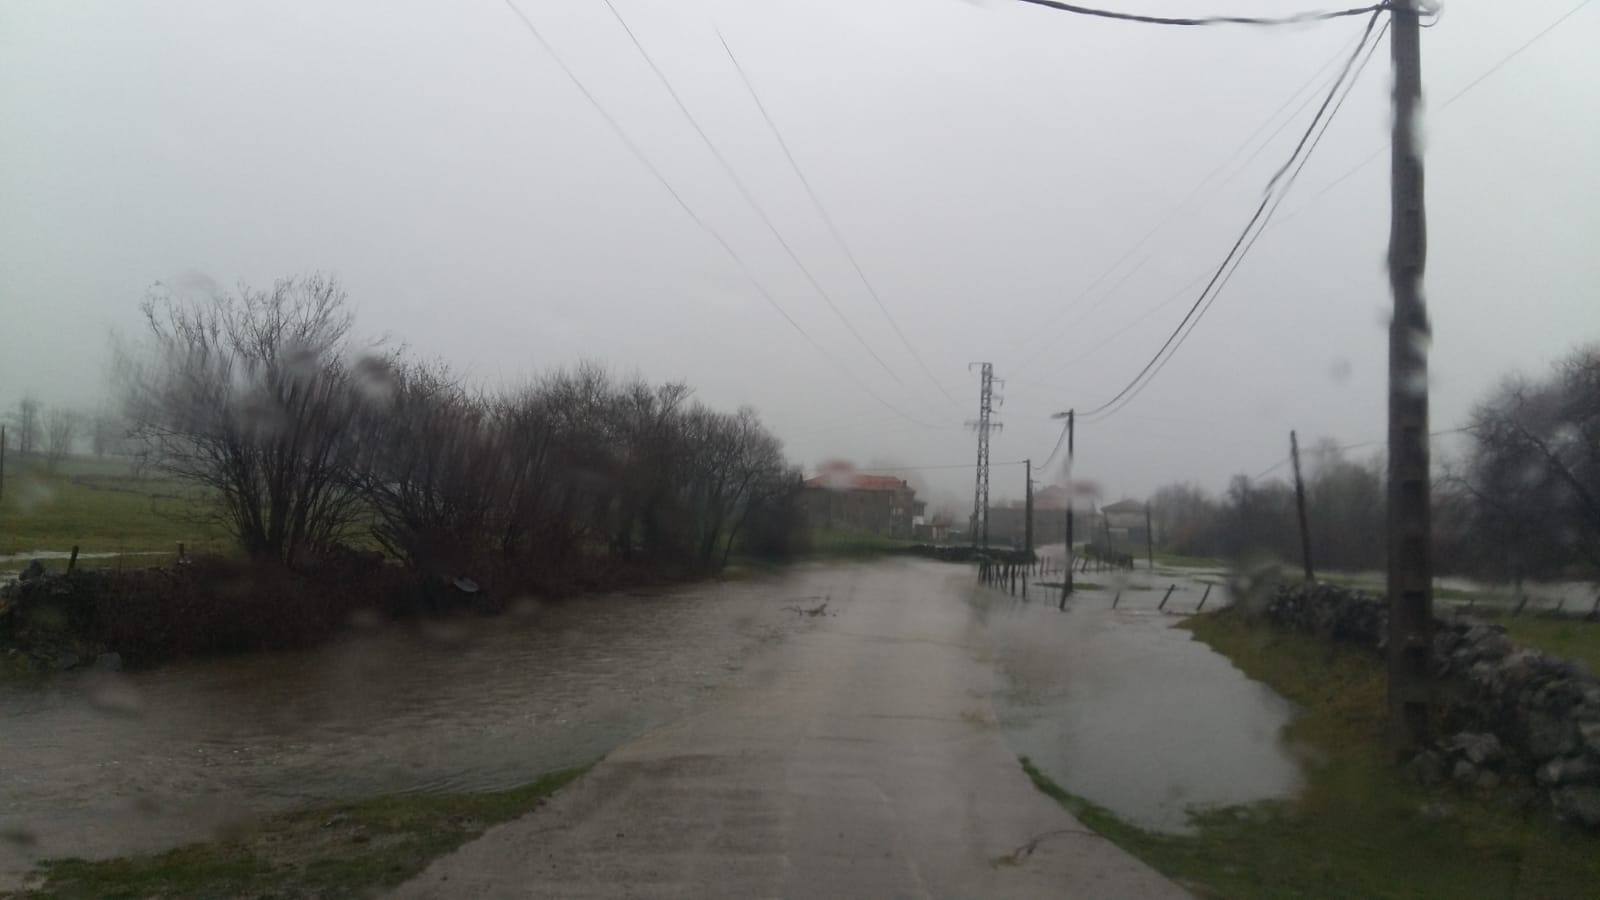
984 424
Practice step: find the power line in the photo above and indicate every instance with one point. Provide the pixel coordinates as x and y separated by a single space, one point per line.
1276 202
1493 69
1234 253
1016 462
1184 203
745 192
644 160
1356 446
1061 439
828 220
716 236
1297 19
1514 54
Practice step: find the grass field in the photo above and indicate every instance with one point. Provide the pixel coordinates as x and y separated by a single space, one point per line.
1178 560
100 506
1566 637
827 542
1361 827
346 850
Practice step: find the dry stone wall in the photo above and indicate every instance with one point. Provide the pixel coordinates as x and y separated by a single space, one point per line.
1514 714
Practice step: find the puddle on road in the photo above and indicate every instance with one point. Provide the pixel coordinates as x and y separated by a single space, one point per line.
1123 709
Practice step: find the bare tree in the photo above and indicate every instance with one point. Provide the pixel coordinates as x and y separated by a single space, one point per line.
61 428
28 425
1533 474
251 396
105 432
432 469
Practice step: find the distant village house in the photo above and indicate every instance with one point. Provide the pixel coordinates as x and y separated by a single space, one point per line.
872 504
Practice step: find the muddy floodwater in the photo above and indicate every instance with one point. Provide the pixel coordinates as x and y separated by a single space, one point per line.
1129 712
99 764
1116 705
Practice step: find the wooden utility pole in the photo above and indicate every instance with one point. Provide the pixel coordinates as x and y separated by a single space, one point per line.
1027 510
1149 539
1300 507
1066 580
1410 580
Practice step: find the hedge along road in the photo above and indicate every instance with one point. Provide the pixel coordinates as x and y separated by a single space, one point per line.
860 758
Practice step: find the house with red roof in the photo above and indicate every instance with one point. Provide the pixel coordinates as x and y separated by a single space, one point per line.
845 500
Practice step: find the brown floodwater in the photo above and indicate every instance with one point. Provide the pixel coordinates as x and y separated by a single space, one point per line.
96 764
1122 708
1116 705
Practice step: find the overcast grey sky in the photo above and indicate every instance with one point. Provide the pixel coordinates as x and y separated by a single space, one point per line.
985 160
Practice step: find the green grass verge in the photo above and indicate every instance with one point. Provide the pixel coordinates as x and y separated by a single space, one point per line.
347 850
101 507
828 542
1565 637
1178 560
1360 827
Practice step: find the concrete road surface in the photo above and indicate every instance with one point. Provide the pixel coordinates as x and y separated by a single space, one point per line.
860 759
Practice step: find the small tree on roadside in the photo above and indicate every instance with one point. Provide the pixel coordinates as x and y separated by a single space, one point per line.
251 396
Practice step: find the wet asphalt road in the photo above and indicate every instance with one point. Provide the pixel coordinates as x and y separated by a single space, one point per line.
860 757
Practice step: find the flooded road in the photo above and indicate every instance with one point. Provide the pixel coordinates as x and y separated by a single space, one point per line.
1129 712
97 764
862 759
1114 705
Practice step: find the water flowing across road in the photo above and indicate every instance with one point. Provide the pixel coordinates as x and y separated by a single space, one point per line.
1112 704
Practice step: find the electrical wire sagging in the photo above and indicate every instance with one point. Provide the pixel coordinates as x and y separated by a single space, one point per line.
1277 188
1295 19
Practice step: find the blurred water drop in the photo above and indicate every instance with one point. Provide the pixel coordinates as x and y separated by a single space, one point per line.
374 378
524 607
19 837
34 494
445 632
1421 340
113 694
365 619
1340 370
1531 474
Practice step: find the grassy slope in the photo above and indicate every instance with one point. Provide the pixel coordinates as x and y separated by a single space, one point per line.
337 851
99 506
1359 828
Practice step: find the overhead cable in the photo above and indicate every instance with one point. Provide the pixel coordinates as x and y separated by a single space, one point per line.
833 229
749 196
1296 19
1493 69
1276 201
1234 251
716 236
1305 88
